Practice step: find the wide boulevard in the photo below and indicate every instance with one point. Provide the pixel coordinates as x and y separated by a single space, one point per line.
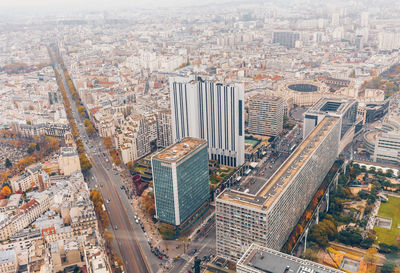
108 181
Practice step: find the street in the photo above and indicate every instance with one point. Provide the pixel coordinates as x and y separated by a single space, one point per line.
131 242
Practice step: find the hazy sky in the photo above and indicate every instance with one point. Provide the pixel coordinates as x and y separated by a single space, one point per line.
83 3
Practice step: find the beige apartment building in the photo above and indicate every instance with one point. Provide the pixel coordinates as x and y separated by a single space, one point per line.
267 215
265 115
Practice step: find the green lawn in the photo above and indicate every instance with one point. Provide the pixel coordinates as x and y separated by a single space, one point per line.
390 209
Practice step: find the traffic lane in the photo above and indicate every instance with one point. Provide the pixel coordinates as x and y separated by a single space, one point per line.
123 233
127 224
139 234
115 220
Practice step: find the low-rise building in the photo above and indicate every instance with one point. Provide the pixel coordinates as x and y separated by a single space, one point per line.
68 161
8 261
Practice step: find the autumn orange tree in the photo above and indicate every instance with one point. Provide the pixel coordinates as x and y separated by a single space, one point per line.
85 163
6 191
108 142
149 204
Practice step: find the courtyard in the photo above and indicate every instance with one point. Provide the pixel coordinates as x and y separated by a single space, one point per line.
389 210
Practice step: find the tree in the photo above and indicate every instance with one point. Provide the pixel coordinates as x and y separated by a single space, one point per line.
130 165
90 129
366 243
310 254
81 110
85 163
86 122
372 170
31 148
389 173
388 266
8 163
37 148
167 231
6 191
370 255
108 142
108 237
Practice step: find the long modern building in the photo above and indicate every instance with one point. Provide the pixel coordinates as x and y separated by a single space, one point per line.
343 108
181 182
212 111
258 259
267 215
265 115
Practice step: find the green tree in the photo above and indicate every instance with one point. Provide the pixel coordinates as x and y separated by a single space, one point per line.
388 266
8 163
31 148
37 148
167 232
389 173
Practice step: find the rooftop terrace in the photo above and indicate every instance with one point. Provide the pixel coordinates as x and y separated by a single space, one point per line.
332 105
270 190
177 151
268 260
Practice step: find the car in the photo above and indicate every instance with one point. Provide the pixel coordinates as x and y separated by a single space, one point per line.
116 227
108 201
92 177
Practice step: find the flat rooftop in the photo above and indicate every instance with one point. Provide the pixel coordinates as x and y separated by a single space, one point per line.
335 106
268 260
271 190
265 97
177 151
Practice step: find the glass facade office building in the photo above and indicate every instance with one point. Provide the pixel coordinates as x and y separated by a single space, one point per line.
181 181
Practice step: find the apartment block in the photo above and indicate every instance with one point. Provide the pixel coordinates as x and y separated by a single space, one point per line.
267 215
265 115
206 109
164 128
387 148
133 138
343 108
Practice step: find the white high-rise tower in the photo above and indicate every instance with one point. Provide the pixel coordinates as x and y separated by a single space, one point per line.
210 110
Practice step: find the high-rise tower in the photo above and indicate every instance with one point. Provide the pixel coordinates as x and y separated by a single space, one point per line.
210 110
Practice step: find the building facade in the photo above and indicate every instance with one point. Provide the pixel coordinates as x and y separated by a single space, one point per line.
212 111
265 115
133 138
286 38
164 129
387 148
181 182
267 215
343 108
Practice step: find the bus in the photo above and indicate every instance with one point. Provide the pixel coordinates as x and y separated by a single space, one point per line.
292 148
